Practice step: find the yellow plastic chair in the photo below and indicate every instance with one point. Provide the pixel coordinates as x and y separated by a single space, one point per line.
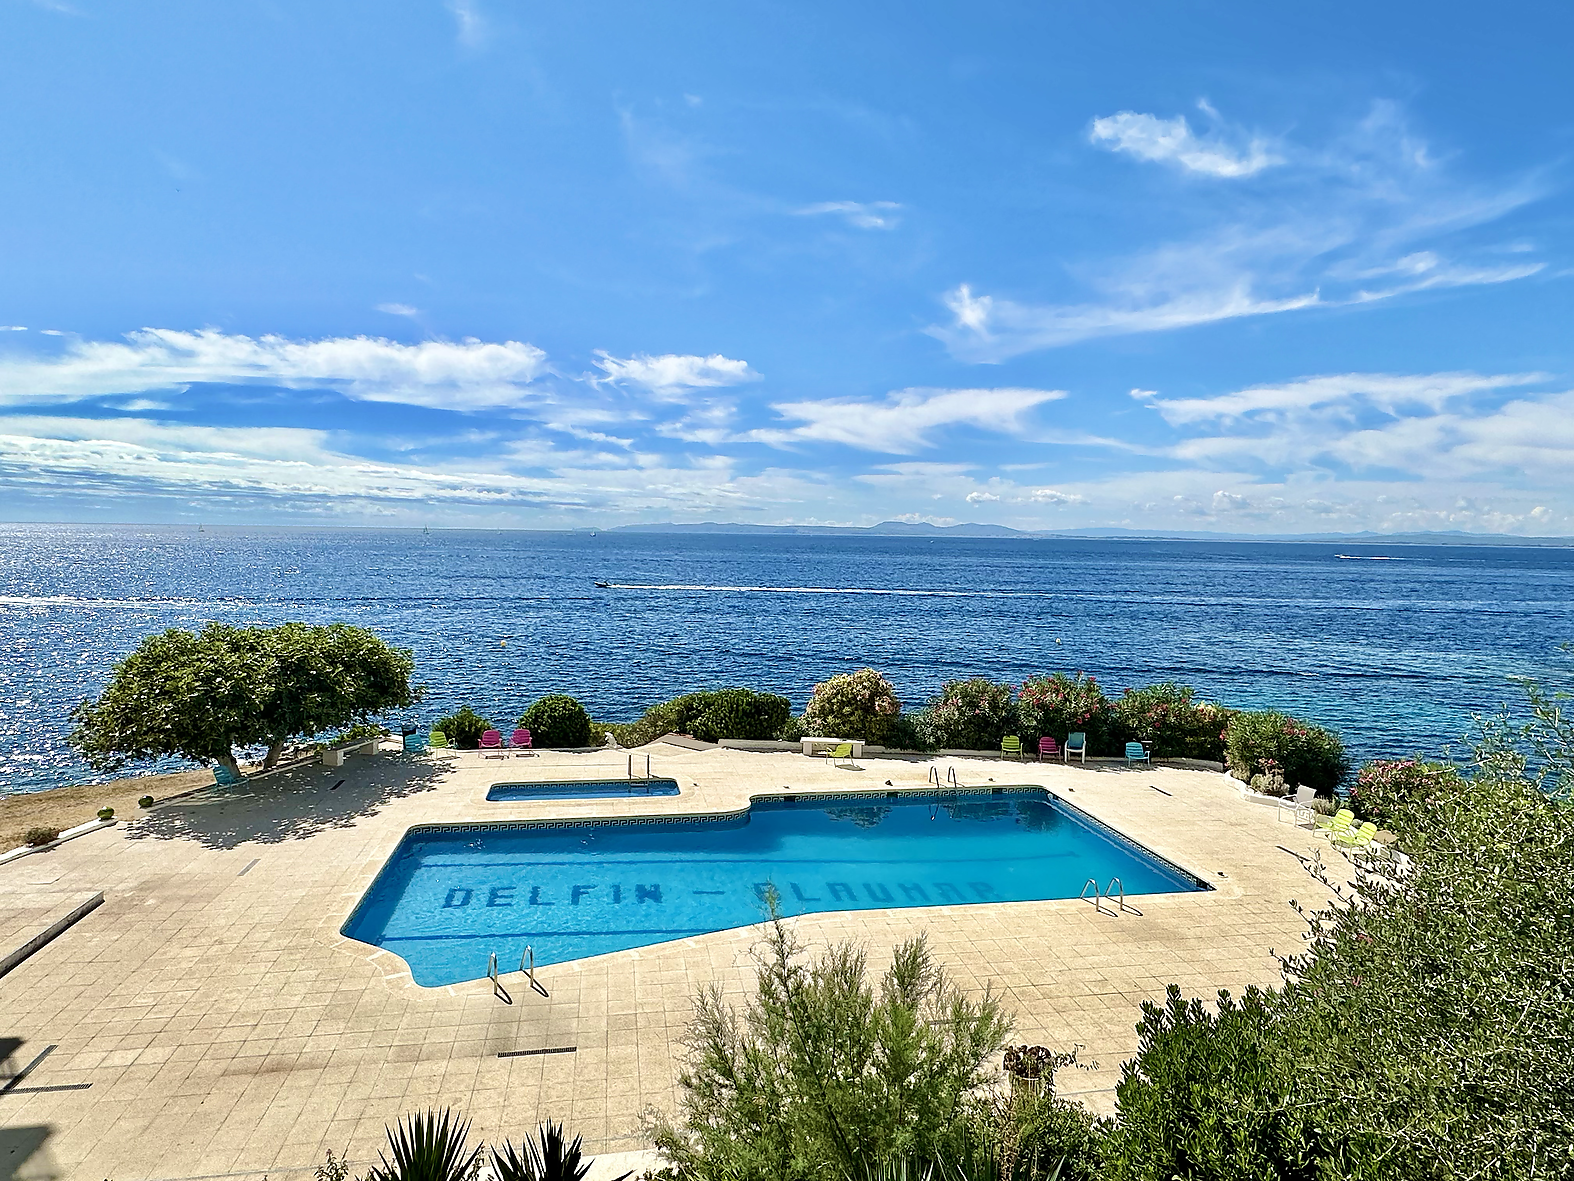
1344 819
842 756
1011 745
437 739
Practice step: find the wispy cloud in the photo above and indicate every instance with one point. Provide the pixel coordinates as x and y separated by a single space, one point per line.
1370 217
472 24
865 215
1172 141
671 373
905 421
468 375
398 309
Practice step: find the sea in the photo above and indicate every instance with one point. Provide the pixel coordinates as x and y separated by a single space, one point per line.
1395 647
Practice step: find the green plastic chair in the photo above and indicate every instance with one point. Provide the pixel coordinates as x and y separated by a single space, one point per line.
841 755
1343 820
438 739
1360 838
1011 745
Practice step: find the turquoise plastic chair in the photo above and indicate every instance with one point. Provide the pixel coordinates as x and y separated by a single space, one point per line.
415 743
1136 753
223 776
1076 744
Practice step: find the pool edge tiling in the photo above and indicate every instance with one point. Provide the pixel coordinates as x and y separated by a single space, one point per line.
449 896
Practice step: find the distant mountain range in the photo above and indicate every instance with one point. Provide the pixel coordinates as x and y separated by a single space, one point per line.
924 529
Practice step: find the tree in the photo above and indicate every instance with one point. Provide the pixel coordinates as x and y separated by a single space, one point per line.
199 696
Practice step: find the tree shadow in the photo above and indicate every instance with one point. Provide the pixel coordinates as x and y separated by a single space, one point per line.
290 805
23 1156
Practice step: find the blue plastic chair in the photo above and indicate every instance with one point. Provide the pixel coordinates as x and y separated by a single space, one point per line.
1076 744
223 776
414 744
1135 753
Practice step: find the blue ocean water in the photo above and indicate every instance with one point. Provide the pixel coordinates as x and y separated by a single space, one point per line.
1395 654
446 900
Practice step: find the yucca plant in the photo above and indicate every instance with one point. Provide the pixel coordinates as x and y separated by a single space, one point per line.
428 1146
547 1158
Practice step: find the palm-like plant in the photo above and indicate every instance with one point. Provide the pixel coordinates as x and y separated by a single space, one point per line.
428 1146
546 1158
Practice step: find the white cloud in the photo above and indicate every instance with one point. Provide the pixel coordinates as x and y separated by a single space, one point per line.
866 215
1389 393
981 497
12 328
468 375
398 309
1171 141
672 374
1054 496
1370 217
472 25
904 422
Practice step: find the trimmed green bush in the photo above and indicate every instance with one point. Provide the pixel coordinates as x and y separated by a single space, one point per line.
970 715
853 705
463 728
1388 789
1306 755
145 802
908 732
1165 717
106 813
556 720
1059 705
708 716
40 836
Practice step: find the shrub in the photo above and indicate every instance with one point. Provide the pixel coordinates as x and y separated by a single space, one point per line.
1175 727
1059 705
1389 788
556 720
793 729
40 836
106 813
1304 754
909 731
709 716
1031 1136
853 705
145 802
1191 1066
970 715
464 728
359 733
824 1075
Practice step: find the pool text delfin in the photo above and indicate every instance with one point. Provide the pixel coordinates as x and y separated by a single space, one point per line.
641 893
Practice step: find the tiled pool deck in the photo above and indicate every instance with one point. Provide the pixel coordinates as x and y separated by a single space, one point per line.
227 1029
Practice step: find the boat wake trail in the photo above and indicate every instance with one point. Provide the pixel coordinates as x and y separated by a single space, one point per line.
826 590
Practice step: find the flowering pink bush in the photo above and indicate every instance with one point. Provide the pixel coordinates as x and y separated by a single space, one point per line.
970 715
1306 755
853 705
1172 725
1386 788
1059 705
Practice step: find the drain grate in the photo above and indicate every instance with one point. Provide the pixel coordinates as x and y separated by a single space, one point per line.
537 1053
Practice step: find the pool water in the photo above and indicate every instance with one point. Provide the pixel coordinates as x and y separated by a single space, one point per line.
448 898
583 789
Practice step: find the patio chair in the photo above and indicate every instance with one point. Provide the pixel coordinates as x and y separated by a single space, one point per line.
1047 746
1360 838
415 743
520 740
223 776
1011 747
437 740
492 740
1076 744
842 756
1343 820
1136 753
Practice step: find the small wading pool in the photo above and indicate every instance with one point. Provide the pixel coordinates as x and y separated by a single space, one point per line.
451 895
583 789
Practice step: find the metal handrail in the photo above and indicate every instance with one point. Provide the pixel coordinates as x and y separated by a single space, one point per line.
1098 898
950 774
497 985
1115 886
631 767
530 972
934 776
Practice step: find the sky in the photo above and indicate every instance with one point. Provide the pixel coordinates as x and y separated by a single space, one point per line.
1227 267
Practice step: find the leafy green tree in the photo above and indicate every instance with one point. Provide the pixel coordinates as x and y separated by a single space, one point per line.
202 695
1255 742
823 1075
860 704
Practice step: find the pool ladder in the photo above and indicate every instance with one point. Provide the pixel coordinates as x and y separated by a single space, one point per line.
527 965
951 783
1114 890
631 768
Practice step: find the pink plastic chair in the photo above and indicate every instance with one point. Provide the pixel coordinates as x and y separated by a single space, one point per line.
1047 746
492 740
520 739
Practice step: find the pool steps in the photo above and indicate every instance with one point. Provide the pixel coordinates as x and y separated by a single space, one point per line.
1114 890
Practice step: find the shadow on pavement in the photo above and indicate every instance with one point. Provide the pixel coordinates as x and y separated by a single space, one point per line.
289 806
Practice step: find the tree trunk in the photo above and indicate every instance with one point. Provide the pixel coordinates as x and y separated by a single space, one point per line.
227 759
273 754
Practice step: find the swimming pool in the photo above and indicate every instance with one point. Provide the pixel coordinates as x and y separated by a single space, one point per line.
583 789
451 895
